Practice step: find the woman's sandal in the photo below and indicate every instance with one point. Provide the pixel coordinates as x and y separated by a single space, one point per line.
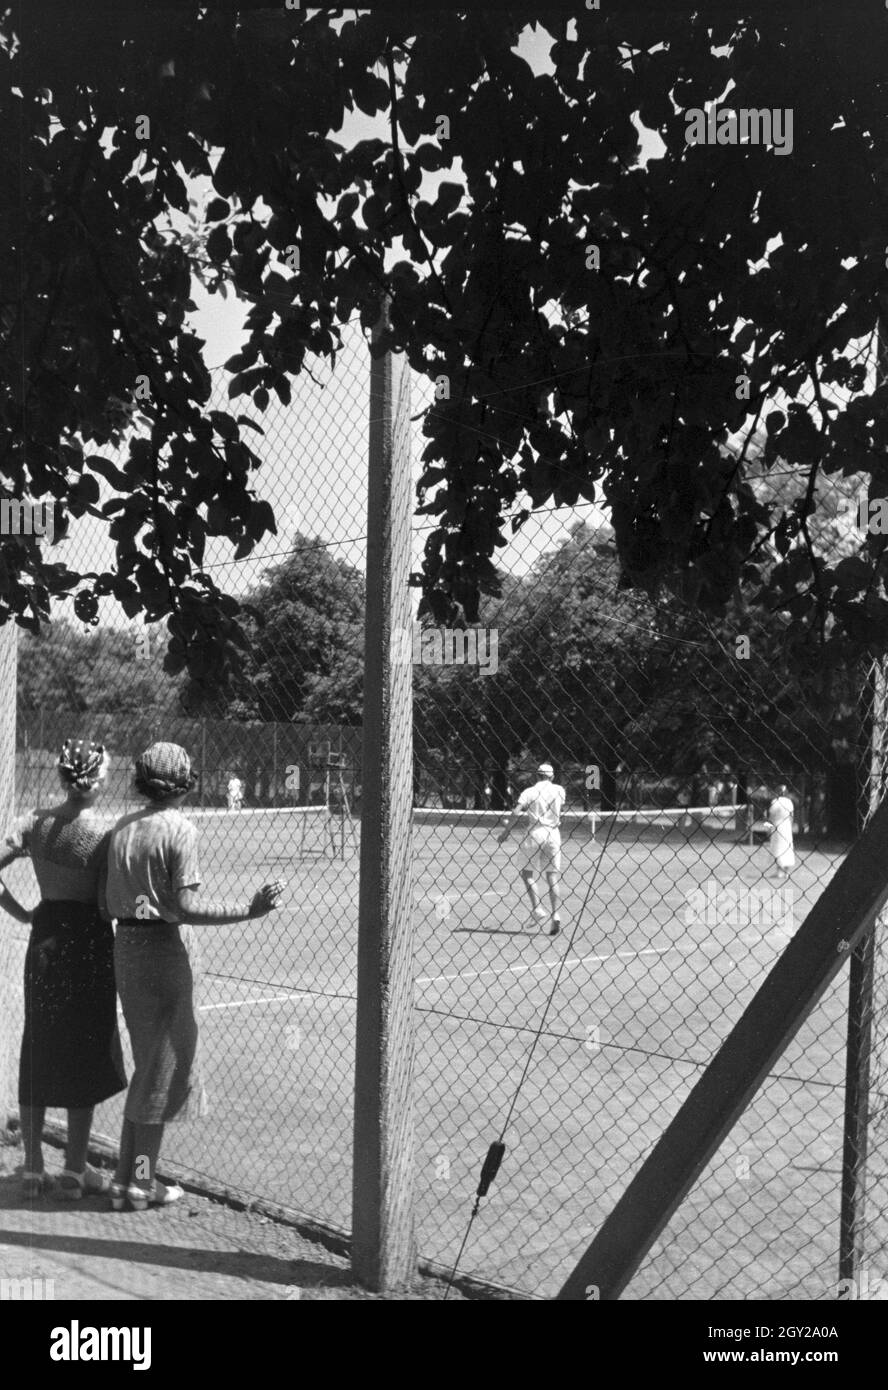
73 1186
117 1192
159 1194
36 1185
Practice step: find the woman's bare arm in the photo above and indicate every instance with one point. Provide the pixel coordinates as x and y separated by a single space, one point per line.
8 902
202 912
8 856
11 904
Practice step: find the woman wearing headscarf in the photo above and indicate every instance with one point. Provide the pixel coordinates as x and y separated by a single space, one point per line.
70 1057
153 891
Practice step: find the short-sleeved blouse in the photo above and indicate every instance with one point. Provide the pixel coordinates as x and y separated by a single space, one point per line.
67 846
152 854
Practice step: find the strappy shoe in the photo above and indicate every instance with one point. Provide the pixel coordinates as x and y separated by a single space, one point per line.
117 1192
36 1185
73 1186
159 1194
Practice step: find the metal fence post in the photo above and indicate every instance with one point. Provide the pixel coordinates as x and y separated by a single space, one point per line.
10 949
383 1221
859 1039
861 975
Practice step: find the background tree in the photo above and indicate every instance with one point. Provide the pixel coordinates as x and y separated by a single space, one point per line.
97 677
657 689
304 621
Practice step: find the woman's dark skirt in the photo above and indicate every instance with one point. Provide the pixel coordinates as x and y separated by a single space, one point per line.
71 1057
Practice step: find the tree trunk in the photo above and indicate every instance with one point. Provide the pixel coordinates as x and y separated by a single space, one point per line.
841 802
499 786
608 789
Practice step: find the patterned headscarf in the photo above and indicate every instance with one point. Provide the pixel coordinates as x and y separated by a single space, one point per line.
81 764
164 770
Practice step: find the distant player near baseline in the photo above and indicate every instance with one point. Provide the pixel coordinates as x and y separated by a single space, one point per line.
542 804
779 823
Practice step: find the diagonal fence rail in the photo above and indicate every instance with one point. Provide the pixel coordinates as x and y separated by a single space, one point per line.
839 921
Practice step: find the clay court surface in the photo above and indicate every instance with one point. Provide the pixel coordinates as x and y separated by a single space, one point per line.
649 980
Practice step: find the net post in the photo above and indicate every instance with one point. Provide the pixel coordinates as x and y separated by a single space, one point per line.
384 1254
10 948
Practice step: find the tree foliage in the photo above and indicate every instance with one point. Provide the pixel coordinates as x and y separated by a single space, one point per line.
96 677
567 379
305 624
591 675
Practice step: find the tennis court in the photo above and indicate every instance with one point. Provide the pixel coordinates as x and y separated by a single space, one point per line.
651 978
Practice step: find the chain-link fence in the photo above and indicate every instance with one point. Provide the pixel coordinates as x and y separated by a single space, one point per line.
672 914
672 735
278 795
865 1168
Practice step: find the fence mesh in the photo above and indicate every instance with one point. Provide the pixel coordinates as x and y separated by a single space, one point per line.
672 921
582 1045
682 920
278 796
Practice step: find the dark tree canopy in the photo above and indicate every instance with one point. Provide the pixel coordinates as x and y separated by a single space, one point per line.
588 674
592 314
305 621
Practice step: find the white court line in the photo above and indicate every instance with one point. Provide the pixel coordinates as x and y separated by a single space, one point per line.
471 974
245 1003
544 965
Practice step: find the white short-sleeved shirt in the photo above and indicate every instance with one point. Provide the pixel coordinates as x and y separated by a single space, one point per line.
780 812
152 854
543 804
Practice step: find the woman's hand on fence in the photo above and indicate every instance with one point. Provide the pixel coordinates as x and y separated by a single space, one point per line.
267 898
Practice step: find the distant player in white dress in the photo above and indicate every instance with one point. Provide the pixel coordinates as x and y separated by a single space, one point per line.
780 814
235 793
542 805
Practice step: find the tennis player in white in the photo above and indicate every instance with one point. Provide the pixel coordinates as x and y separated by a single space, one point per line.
542 804
780 814
235 793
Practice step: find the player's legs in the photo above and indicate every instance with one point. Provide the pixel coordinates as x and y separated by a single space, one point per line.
529 873
530 884
537 916
552 853
552 878
783 862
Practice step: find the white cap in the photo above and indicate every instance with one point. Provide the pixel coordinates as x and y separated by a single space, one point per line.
546 769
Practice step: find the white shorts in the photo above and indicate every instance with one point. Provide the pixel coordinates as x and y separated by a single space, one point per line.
542 848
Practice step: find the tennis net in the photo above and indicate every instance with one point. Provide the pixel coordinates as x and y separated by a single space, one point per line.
677 822
306 831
